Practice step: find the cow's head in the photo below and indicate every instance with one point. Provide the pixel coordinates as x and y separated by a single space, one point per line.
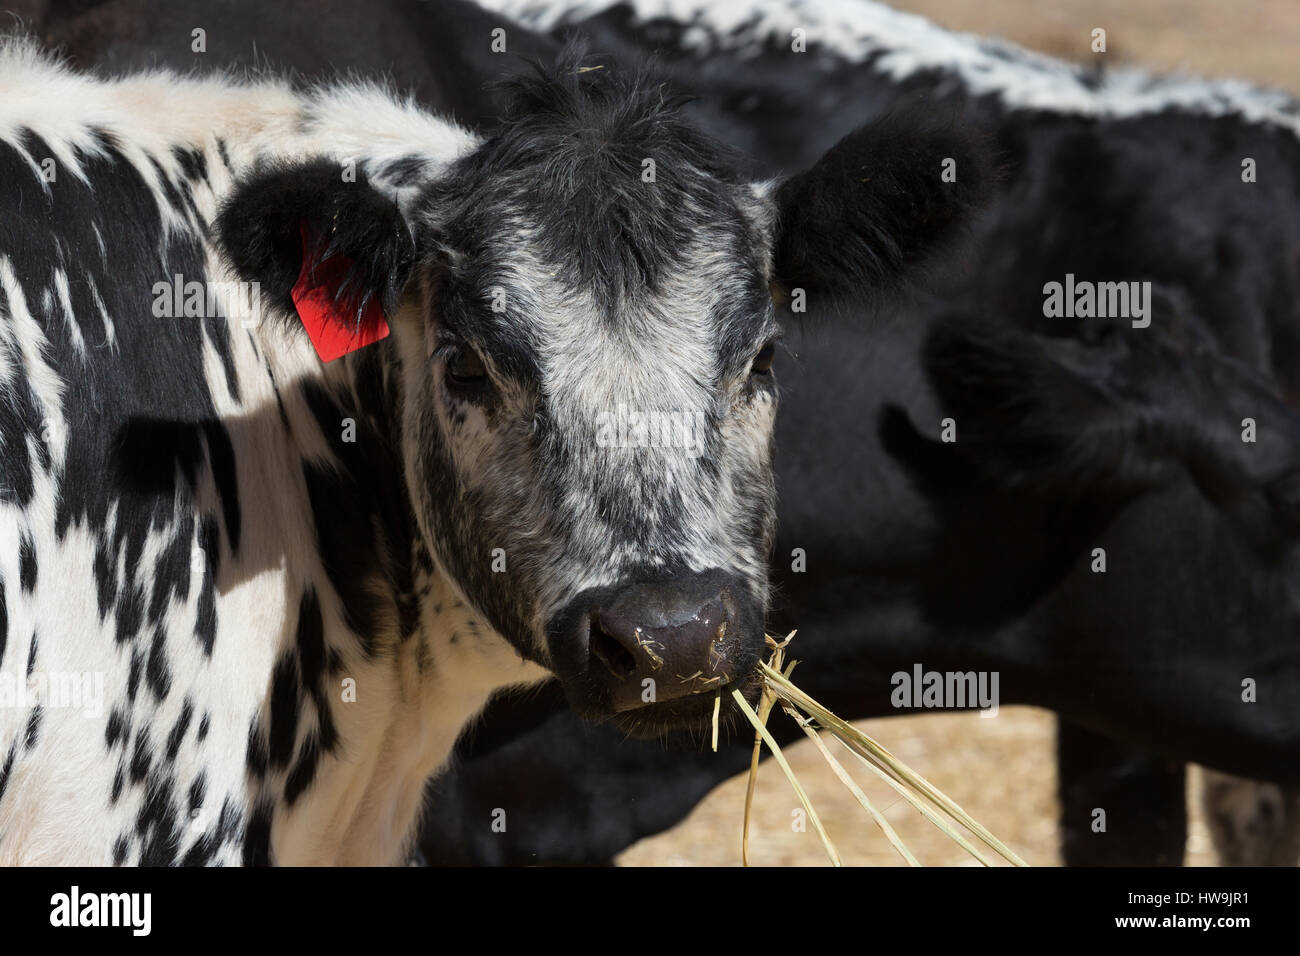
1059 433
585 322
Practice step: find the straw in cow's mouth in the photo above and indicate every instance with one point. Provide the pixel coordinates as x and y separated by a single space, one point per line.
932 803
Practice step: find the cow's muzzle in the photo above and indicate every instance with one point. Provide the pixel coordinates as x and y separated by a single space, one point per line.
641 645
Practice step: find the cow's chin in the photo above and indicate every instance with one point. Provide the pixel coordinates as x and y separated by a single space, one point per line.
693 714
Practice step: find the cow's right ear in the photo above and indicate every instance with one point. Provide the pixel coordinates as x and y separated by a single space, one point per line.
323 244
878 204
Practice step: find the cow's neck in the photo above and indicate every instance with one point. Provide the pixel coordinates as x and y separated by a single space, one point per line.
421 662
408 665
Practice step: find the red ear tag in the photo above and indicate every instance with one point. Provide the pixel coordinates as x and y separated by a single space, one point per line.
328 323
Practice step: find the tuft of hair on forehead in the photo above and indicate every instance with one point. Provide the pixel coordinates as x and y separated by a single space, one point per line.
615 185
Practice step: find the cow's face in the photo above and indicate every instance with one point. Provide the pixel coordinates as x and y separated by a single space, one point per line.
591 400
586 339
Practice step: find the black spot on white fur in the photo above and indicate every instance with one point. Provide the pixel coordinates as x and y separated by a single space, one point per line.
27 566
33 727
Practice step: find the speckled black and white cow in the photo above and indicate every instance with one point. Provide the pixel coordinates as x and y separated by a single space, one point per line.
249 599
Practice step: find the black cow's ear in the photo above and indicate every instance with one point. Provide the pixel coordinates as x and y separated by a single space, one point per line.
318 225
1066 419
1029 411
878 203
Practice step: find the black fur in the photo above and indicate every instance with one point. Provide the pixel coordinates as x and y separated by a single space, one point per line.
26 566
257 758
257 835
118 728
285 692
157 672
33 727
7 768
283 212
1097 771
569 154
179 729
1123 416
875 206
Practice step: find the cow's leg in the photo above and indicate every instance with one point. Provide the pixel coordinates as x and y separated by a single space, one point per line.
1142 796
1252 822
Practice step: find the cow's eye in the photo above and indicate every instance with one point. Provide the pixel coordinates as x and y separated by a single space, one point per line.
763 360
465 369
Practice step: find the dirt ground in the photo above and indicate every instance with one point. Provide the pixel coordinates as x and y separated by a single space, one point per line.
1001 769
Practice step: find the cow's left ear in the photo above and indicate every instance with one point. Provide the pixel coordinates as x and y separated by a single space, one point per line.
324 245
878 204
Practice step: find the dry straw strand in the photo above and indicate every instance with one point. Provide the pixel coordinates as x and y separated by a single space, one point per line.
717 710
889 767
785 767
929 800
764 708
890 834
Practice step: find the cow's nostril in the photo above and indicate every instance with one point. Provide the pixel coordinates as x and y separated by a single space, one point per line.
610 652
